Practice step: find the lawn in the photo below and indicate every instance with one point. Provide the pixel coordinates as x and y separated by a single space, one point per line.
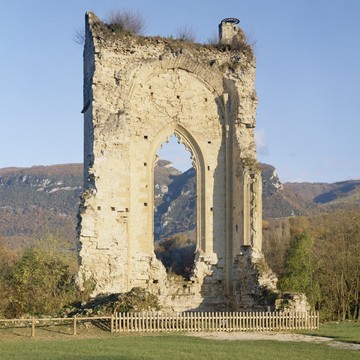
344 331
56 342
167 347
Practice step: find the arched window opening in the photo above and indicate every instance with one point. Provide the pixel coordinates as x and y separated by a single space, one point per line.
175 207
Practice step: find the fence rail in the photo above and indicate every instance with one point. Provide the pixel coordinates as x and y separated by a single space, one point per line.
215 321
35 322
189 321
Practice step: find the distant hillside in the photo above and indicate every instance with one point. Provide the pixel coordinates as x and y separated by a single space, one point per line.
324 195
39 200
174 200
289 199
163 177
44 199
275 202
55 188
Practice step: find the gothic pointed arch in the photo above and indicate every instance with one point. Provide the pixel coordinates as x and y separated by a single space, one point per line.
198 162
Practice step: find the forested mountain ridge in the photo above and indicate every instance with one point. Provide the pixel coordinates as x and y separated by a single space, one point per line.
32 186
175 197
289 199
45 199
37 201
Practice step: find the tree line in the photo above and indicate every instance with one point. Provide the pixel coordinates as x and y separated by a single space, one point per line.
39 280
318 256
322 260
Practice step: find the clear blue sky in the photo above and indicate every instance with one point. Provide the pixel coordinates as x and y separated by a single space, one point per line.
308 78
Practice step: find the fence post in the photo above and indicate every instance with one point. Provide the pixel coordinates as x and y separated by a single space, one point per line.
112 323
74 330
317 320
32 327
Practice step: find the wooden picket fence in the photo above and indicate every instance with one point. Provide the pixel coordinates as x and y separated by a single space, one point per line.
186 322
215 321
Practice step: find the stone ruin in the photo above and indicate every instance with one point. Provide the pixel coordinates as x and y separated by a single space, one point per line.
138 91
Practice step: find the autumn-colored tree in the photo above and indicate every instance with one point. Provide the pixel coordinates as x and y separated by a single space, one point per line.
324 262
8 258
337 254
298 225
276 242
39 284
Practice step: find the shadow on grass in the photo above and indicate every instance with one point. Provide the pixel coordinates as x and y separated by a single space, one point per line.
348 332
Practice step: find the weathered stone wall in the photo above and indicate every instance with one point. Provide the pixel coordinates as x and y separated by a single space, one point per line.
138 91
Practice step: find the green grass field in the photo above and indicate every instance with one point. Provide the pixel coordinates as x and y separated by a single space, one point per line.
171 347
57 343
345 331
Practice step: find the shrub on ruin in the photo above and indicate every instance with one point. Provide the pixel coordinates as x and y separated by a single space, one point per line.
213 40
185 33
125 21
135 300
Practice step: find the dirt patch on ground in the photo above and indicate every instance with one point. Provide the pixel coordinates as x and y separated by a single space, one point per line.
275 336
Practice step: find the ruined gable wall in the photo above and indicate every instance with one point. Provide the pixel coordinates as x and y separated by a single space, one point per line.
138 91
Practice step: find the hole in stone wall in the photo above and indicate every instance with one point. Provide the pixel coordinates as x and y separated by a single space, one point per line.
175 208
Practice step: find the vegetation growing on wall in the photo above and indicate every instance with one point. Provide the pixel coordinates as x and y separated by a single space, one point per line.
135 300
185 33
125 21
